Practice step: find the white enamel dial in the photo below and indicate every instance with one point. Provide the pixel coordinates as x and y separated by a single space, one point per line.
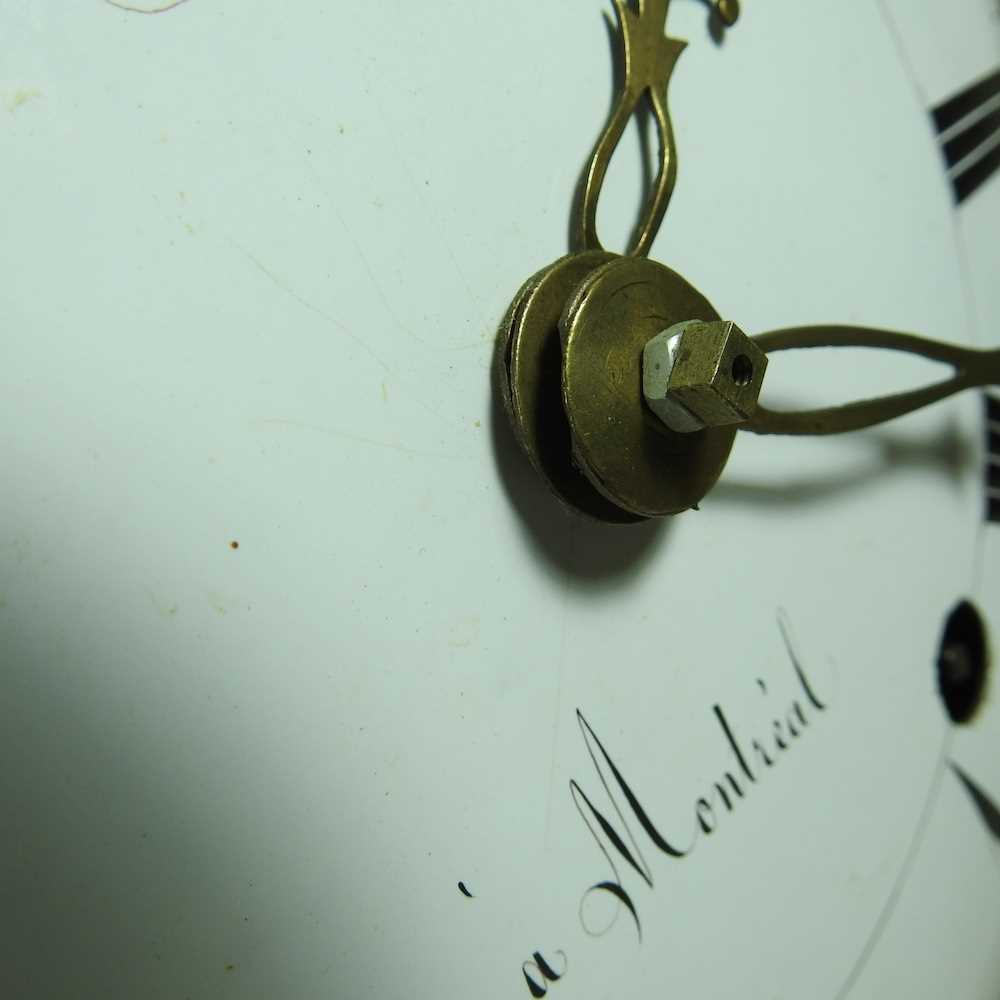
310 688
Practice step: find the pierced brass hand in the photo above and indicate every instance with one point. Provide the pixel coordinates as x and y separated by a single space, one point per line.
972 370
650 58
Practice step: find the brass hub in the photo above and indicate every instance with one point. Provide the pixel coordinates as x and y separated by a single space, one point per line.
571 380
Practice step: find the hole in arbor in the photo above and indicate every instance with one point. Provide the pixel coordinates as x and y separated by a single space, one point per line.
962 662
742 370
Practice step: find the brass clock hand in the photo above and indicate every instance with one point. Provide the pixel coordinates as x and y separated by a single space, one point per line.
973 369
650 58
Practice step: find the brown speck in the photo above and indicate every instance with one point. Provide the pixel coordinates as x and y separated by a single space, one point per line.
234 545
230 968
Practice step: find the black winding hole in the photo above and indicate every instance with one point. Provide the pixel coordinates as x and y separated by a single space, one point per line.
962 662
742 370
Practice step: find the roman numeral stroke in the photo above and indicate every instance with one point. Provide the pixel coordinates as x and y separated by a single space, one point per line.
968 127
992 475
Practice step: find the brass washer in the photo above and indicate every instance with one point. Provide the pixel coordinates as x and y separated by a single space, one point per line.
530 378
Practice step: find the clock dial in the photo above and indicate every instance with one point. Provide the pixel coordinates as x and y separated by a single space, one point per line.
311 685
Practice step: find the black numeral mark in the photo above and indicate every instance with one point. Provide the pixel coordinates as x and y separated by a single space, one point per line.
992 474
968 127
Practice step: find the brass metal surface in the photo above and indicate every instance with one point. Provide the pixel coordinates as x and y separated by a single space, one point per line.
650 57
972 369
530 382
626 452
